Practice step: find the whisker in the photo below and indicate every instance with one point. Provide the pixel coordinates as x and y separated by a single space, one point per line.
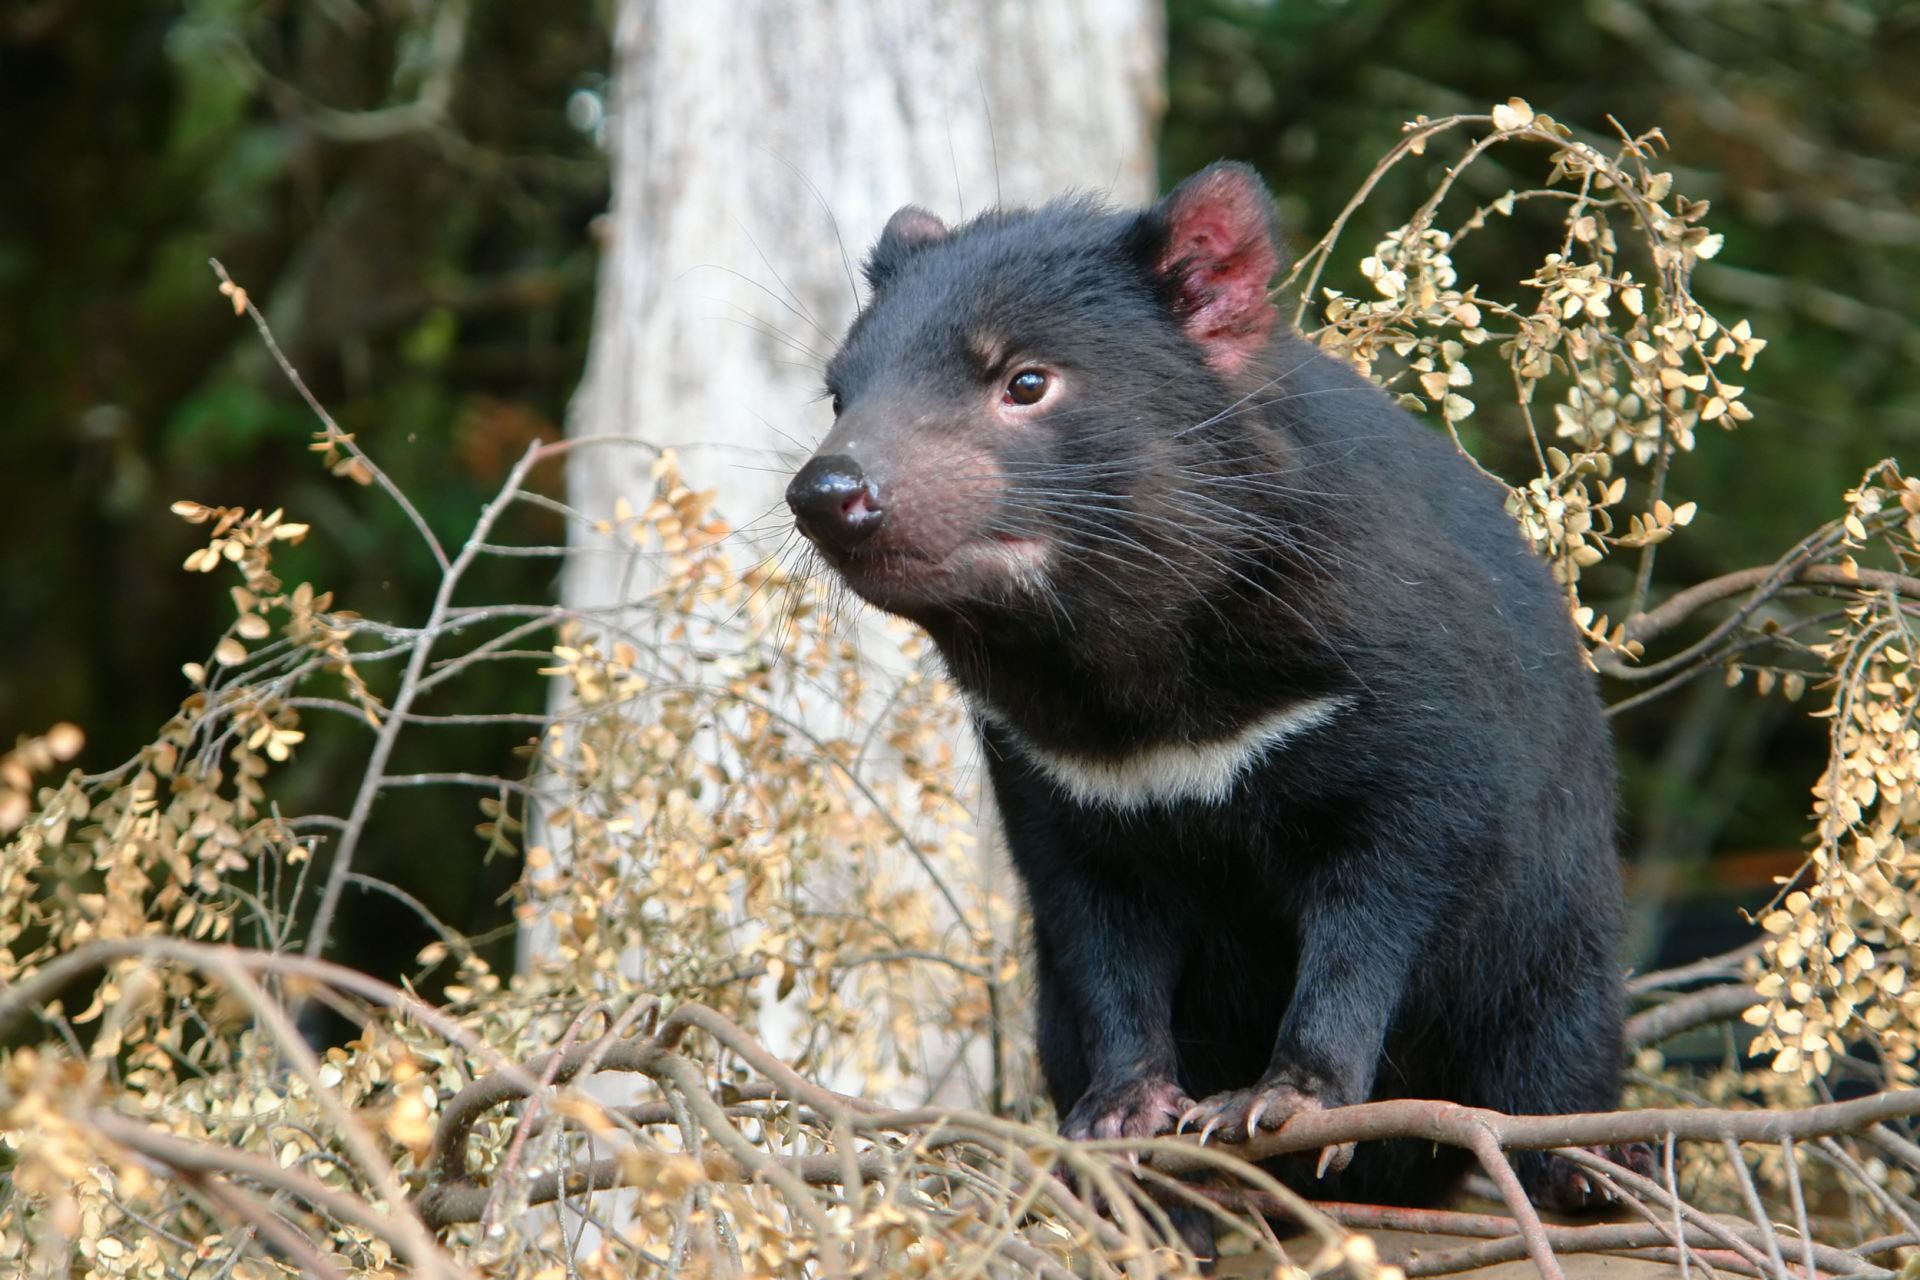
767 330
832 222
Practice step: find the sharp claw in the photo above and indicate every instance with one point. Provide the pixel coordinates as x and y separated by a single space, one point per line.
1207 1132
1335 1158
1187 1117
1253 1117
1133 1158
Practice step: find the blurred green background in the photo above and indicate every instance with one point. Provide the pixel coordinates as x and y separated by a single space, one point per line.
433 278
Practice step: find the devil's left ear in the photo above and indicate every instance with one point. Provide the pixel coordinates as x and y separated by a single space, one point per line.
908 231
1211 243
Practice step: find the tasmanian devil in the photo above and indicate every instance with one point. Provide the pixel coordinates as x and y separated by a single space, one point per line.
1298 756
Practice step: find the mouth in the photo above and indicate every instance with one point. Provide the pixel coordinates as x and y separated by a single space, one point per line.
990 567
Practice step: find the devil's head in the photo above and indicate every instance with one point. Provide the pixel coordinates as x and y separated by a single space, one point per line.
1046 413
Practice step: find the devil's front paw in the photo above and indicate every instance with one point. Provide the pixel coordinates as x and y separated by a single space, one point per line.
1561 1186
1131 1109
1241 1114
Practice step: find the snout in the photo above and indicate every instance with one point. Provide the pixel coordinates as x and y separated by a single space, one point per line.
834 503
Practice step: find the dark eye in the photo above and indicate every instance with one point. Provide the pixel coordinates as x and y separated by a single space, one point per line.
838 404
1026 387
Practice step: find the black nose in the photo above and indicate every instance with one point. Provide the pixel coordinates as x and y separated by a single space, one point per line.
834 502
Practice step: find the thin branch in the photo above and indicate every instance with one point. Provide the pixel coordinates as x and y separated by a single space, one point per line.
1763 581
1612 1237
201 1158
1726 964
509 1168
402 703
455 942
1683 1013
1532 1232
1450 1123
1797 1197
1755 1210
250 1210
372 1160
334 434
1616 1179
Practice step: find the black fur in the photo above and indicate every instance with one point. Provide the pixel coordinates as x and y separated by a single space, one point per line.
1418 898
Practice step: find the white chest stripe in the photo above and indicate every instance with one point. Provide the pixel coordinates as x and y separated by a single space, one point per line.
1202 771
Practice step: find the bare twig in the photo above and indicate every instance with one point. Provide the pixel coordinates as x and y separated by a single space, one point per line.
1487 1147
1613 1237
1683 1013
509 1168
1798 1197
1617 1179
335 435
1679 1233
402 702
1755 1209
249 1209
399 1227
1682 605
1725 965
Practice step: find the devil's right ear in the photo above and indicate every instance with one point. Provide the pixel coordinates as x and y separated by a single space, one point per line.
908 231
1211 244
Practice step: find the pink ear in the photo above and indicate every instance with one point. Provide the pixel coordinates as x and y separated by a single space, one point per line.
911 226
908 231
1220 256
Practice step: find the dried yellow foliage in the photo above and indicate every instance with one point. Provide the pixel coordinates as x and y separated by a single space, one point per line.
1631 363
1844 935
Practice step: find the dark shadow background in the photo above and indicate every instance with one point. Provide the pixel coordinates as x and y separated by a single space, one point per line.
432 274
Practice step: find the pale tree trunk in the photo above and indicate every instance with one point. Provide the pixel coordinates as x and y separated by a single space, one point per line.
757 148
